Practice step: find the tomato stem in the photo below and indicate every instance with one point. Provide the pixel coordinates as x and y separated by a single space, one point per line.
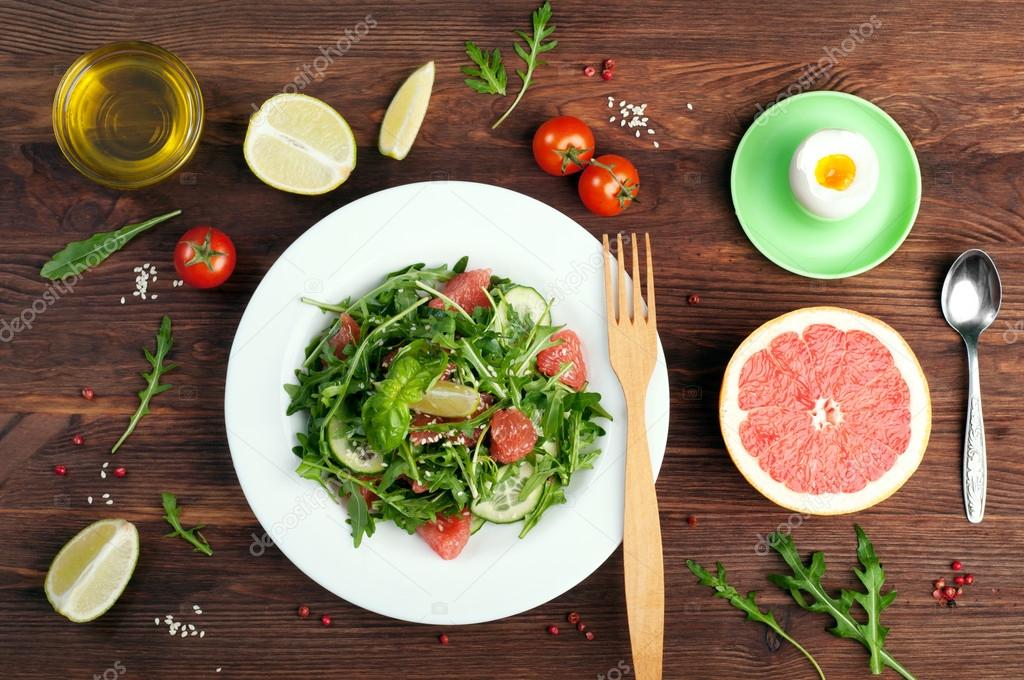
203 252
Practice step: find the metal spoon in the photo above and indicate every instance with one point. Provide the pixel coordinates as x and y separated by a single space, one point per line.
971 296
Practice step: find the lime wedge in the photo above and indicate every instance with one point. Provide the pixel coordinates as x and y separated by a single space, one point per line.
448 400
92 569
405 113
299 144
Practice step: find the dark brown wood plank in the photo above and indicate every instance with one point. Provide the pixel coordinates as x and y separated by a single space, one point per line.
949 73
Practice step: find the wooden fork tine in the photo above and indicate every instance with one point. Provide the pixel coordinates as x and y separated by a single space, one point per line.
651 318
623 303
638 312
608 304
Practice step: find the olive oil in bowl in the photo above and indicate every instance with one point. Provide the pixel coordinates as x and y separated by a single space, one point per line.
128 114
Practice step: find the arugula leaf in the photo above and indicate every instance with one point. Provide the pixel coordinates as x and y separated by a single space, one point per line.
78 256
386 415
489 76
746 604
804 585
153 385
535 41
172 514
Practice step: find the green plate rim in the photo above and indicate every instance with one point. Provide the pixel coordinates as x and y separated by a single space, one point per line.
860 101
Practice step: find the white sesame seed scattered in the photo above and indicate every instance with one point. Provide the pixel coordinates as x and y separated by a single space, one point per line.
154 296
650 131
157 620
106 465
103 475
89 499
689 106
611 119
122 299
137 269
622 122
110 502
656 145
184 633
638 134
145 265
191 626
622 103
106 495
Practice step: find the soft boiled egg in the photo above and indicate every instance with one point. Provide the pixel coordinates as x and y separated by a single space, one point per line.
834 173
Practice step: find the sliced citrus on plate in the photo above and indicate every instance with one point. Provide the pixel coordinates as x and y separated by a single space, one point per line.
92 569
405 113
448 400
825 410
299 144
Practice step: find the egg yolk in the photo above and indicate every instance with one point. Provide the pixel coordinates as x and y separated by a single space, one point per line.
835 171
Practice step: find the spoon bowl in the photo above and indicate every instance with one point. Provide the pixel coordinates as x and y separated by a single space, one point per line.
971 294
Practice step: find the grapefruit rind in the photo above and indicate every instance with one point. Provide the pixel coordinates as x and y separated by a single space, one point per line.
731 415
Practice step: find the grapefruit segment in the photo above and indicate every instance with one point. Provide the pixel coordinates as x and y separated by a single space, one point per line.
825 410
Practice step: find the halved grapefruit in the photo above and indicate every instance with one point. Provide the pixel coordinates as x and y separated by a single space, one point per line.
825 410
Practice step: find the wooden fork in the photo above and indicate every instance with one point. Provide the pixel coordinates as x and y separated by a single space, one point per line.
633 346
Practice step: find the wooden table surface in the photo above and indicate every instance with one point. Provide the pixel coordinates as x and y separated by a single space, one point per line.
951 74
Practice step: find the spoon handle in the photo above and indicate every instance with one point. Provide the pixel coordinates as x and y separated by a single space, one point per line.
975 462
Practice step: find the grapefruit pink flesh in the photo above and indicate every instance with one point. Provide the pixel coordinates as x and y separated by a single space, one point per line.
825 410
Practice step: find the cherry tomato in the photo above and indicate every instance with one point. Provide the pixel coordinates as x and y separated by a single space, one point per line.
204 257
563 145
609 184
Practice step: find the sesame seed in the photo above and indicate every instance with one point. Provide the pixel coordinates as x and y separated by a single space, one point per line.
650 131
622 103
89 499
110 502
611 119
638 134
103 475
202 633
122 299
154 294
622 122
689 106
106 495
157 620
656 145
105 465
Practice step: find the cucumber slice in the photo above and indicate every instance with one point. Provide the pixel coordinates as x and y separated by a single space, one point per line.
528 304
476 524
503 505
355 456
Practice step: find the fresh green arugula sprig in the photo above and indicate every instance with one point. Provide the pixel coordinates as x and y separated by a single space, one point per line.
393 318
152 377
746 604
78 256
804 584
172 514
489 76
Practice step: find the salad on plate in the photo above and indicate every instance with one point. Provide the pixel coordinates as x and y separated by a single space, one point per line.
441 400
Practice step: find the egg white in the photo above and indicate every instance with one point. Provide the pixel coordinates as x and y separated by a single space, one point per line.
824 202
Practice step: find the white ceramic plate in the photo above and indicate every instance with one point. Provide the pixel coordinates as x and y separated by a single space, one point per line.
347 253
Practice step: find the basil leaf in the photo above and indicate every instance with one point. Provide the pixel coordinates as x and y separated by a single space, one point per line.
386 415
78 256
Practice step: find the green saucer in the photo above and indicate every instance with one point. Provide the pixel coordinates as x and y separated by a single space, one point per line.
791 237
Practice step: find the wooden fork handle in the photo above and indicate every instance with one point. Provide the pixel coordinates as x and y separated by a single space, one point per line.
643 563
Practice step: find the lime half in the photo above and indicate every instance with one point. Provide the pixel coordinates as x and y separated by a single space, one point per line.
92 569
405 113
299 144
